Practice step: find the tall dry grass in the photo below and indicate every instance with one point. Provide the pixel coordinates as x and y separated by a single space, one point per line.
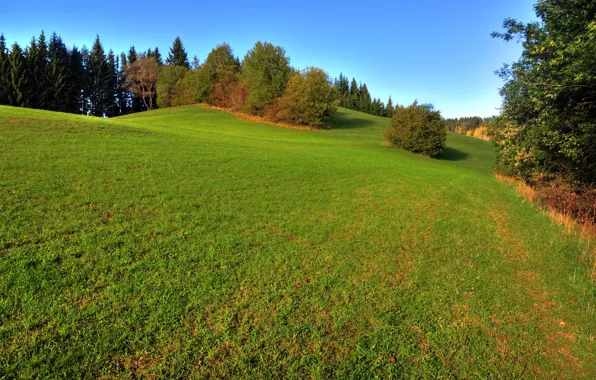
575 212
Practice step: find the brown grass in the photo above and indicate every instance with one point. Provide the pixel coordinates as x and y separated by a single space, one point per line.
257 119
575 213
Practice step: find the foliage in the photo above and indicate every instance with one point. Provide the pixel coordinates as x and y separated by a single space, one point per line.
307 100
167 80
417 128
547 128
193 88
266 72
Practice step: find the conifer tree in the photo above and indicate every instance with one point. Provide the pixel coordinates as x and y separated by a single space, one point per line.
112 87
157 56
99 79
389 109
364 104
57 75
4 72
132 54
19 81
77 82
123 94
343 86
177 55
354 95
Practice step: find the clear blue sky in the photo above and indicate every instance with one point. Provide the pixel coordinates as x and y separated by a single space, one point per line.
436 51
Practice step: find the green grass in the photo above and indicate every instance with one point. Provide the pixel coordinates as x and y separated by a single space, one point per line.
186 243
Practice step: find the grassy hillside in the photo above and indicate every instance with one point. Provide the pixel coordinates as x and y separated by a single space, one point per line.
185 242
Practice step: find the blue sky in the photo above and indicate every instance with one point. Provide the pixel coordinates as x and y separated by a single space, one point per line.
436 51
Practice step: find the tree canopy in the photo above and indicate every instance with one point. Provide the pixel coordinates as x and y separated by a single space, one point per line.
547 129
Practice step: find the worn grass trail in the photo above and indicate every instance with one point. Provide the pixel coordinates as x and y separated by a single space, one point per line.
186 243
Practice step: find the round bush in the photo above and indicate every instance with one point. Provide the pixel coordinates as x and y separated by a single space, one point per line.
418 129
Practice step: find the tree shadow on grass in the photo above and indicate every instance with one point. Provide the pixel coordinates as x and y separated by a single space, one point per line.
451 154
339 122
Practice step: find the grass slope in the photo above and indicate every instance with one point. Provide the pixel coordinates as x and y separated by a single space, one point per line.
186 243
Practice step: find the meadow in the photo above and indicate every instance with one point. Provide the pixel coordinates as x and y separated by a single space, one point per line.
185 242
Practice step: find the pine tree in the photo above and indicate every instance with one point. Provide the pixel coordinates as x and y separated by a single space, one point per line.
177 55
4 72
111 90
343 86
132 54
157 56
99 79
57 75
389 109
19 80
354 95
124 97
364 104
77 80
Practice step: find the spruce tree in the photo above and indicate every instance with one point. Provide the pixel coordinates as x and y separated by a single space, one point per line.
99 79
77 80
19 80
354 95
57 75
177 55
364 104
389 109
157 56
124 97
4 72
111 90
132 54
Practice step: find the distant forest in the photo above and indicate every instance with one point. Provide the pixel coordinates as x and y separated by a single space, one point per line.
48 75
474 126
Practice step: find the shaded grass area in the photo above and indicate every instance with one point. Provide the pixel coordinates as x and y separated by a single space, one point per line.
186 243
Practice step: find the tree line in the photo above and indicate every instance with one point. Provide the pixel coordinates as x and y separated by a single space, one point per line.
49 75
357 97
473 126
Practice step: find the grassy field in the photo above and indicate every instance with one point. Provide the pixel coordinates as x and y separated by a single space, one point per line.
187 243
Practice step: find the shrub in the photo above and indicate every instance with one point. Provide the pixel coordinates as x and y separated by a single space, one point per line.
307 100
418 129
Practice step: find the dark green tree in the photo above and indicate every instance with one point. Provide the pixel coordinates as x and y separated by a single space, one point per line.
112 87
178 55
19 78
58 75
77 82
354 100
4 72
365 101
389 108
157 56
123 95
100 78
